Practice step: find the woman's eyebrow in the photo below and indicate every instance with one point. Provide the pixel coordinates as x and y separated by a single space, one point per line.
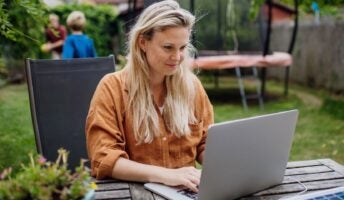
168 44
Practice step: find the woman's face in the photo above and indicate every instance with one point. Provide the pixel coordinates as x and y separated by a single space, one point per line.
165 51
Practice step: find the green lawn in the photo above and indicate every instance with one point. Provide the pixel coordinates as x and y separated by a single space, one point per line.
320 127
319 132
16 133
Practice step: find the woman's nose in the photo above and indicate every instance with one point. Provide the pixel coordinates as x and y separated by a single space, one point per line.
177 55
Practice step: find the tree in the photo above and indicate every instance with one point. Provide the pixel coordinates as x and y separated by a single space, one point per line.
21 23
14 11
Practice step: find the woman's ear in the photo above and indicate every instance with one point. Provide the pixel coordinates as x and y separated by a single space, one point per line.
142 43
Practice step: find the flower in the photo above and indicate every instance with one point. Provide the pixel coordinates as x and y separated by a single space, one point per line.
93 185
41 160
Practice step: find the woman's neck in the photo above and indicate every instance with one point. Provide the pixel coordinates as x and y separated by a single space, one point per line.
159 92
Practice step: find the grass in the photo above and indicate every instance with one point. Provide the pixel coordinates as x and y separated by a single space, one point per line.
319 132
320 128
16 132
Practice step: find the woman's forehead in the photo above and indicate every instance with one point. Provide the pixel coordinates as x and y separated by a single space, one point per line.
174 35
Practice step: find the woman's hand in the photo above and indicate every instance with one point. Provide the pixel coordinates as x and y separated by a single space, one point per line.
185 176
125 169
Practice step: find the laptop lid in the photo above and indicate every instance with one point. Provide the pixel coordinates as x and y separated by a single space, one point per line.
241 157
246 155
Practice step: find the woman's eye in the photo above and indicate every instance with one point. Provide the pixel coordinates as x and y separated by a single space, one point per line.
168 47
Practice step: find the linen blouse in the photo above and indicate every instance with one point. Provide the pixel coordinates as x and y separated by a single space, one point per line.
109 132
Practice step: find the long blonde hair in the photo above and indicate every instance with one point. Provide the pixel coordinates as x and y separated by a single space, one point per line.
178 106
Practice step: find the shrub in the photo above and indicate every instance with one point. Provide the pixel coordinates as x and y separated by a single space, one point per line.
46 180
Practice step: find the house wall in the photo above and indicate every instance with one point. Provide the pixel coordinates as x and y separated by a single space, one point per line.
318 56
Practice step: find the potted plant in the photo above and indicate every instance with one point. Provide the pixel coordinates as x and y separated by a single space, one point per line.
41 179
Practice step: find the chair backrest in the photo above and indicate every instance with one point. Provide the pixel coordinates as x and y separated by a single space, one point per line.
60 93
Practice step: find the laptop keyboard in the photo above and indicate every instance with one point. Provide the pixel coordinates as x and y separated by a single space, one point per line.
188 193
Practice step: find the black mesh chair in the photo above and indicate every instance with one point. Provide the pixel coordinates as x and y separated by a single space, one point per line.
60 93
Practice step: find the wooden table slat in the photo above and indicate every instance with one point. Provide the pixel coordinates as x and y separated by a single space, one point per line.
112 186
304 163
113 194
333 165
307 170
105 181
312 177
296 187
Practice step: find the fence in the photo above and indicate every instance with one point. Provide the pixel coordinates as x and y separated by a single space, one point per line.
318 54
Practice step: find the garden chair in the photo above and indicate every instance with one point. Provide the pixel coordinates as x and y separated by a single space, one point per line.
60 93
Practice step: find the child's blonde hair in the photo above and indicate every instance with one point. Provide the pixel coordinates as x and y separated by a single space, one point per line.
76 20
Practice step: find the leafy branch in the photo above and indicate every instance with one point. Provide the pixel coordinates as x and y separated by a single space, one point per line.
33 9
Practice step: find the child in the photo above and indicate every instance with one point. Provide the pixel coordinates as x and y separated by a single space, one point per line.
77 44
55 35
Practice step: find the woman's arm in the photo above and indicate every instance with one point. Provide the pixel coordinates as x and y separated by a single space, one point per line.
125 169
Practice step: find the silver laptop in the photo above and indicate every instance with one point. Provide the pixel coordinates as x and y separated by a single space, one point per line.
242 157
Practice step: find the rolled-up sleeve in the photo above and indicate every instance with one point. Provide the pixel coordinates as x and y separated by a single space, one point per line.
104 137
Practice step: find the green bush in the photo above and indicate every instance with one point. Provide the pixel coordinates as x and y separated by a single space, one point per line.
102 24
21 28
21 33
42 179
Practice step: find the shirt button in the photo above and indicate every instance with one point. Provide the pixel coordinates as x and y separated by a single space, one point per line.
164 138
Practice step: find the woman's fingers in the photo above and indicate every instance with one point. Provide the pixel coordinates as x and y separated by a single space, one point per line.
192 179
192 186
186 176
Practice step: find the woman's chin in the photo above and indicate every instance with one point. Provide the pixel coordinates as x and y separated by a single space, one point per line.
171 72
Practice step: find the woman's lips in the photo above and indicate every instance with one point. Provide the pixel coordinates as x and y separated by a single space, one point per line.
172 65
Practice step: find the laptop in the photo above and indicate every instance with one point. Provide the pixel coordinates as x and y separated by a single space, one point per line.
242 157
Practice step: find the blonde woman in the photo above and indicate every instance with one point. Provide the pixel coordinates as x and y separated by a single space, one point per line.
149 121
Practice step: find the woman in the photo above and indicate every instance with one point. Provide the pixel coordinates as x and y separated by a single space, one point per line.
149 121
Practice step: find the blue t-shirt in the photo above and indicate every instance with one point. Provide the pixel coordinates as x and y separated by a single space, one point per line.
78 46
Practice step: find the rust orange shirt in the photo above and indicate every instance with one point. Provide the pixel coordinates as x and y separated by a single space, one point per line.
109 132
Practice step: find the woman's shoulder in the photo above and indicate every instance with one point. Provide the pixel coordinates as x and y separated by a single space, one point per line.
198 87
197 82
115 79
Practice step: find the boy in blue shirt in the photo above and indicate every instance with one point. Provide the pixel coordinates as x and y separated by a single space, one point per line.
77 44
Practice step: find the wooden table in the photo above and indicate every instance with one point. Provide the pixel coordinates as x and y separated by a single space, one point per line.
314 174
